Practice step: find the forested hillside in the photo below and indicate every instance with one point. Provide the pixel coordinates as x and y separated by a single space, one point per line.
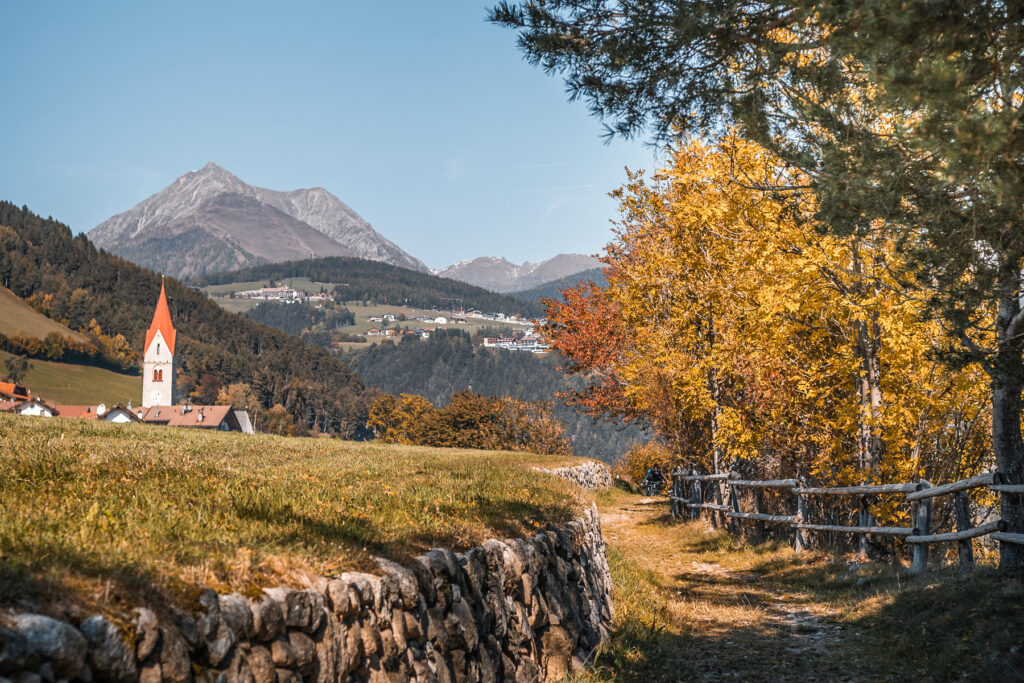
359 279
550 290
298 318
41 261
448 362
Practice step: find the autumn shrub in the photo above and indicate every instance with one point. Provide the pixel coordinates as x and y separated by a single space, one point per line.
498 423
637 460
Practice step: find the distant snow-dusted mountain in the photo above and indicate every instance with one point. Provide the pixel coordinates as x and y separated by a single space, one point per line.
500 275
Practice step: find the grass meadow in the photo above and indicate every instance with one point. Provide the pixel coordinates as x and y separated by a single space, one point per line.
101 517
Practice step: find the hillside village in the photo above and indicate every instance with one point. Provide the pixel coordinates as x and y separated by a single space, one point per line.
158 392
391 325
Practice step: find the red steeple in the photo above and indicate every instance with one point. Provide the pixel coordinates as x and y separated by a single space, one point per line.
162 322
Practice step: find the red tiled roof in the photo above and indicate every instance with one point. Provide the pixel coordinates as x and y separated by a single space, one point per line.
15 390
161 322
83 412
89 412
178 416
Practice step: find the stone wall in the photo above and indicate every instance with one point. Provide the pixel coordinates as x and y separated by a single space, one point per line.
515 610
589 475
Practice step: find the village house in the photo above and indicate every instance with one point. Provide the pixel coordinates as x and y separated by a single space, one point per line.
9 391
116 413
34 406
285 294
221 418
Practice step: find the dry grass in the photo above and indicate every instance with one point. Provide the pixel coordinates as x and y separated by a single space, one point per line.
694 603
101 517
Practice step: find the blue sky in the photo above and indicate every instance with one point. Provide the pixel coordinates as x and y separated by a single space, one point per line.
421 116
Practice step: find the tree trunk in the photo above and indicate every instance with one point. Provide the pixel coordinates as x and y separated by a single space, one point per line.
716 396
869 392
1009 448
1007 373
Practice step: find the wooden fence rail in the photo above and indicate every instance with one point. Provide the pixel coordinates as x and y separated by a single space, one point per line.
688 493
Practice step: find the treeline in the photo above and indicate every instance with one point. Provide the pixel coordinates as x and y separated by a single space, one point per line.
551 290
448 362
380 283
215 348
114 353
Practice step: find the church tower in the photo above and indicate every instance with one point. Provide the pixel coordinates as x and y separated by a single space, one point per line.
158 360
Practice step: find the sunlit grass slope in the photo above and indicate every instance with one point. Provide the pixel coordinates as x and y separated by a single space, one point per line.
79 384
117 514
17 318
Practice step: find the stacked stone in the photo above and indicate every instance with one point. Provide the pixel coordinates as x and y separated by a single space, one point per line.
589 475
518 610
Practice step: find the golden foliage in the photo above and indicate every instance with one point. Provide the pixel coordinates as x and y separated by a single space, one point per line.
784 348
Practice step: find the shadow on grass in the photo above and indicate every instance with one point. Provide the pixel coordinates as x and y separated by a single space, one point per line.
517 518
285 527
43 583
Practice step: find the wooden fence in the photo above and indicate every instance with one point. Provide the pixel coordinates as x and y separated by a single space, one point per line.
690 492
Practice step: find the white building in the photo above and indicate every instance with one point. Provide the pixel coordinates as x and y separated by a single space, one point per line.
158 358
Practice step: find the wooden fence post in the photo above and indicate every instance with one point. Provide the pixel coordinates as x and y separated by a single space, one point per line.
963 522
718 516
734 503
922 514
762 529
863 519
800 544
678 486
696 495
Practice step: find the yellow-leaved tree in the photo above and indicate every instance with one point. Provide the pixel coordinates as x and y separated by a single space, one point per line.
788 350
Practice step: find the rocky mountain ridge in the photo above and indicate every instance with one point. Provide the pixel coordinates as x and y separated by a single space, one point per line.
210 220
501 275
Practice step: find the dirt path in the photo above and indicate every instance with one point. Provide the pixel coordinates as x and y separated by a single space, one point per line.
698 604
739 613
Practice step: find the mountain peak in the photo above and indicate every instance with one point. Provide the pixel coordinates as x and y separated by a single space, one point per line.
239 225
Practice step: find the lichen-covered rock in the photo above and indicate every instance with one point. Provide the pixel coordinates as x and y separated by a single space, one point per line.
304 652
15 653
108 655
302 609
261 665
175 661
267 619
237 614
216 639
338 591
147 633
587 475
404 579
281 653
57 643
